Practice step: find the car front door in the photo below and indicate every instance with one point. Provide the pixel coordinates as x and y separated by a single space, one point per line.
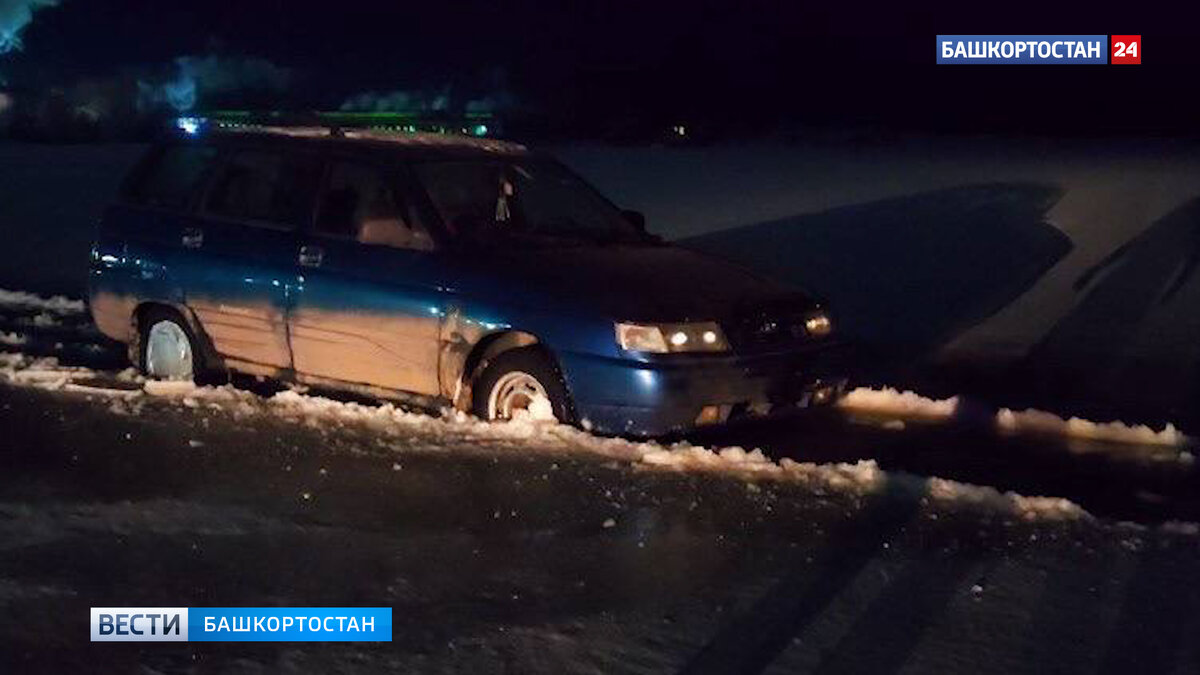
369 304
241 274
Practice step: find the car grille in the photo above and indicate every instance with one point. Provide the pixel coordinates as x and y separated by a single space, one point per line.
765 329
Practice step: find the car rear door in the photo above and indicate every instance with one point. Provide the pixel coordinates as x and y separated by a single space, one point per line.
242 272
139 246
370 302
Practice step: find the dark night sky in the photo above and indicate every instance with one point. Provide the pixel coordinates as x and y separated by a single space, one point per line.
811 63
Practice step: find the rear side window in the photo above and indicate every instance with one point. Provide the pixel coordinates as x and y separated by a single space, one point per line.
172 176
265 187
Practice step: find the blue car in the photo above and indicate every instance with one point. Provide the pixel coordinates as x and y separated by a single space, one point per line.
439 270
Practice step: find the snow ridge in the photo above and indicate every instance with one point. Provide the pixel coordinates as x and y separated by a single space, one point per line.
909 405
23 300
859 479
1037 421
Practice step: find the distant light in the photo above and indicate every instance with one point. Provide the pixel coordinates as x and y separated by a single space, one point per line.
679 338
679 130
818 325
479 130
709 337
189 125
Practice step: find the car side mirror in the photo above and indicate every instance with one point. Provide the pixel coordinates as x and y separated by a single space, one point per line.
637 219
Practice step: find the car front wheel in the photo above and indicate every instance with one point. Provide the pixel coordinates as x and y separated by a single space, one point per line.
521 383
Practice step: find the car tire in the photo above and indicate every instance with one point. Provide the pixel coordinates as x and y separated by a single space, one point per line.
509 382
169 350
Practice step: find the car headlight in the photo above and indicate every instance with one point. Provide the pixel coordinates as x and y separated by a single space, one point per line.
661 338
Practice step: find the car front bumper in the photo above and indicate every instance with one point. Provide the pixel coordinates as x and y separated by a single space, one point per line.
654 398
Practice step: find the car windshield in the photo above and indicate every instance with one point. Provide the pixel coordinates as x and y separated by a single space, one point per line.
522 201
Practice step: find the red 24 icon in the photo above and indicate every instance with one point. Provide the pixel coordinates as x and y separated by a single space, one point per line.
1126 49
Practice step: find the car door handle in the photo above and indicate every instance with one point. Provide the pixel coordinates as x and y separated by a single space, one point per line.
311 256
192 238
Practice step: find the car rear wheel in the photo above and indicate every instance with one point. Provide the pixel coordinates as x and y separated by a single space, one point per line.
169 352
521 382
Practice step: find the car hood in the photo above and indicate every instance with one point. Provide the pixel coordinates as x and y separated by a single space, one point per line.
637 283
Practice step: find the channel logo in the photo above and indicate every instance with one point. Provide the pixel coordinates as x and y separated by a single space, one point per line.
241 624
139 624
1025 49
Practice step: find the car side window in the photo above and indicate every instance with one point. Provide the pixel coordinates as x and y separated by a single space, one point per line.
172 176
266 187
360 203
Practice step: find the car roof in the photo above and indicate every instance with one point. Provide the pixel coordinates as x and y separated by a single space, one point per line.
407 145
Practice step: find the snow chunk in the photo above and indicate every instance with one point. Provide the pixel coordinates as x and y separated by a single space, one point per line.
170 387
1027 508
102 391
45 320
860 478
541 410
43 373
1037 421
888 401
130 374
1180 528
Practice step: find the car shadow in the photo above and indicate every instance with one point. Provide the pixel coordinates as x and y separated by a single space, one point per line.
1131 344
905 275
